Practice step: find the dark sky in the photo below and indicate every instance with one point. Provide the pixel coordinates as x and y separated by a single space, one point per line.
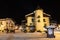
19 8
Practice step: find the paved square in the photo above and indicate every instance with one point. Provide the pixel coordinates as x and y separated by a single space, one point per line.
27 36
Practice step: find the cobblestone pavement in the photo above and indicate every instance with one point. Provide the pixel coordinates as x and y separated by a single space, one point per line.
27 36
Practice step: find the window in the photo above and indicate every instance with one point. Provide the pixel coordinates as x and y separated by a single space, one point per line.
45 25
32 20
6 22
38 17
44 20
1 23
30 24
38 20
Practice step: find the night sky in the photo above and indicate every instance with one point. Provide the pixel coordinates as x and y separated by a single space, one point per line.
19 8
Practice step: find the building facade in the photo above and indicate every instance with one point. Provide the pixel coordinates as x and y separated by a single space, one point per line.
6 23
39 19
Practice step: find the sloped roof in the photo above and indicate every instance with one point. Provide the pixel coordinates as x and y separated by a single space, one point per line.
29 14
5 19
47 14
33 13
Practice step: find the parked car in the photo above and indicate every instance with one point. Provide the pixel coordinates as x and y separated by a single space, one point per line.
24 30
32 29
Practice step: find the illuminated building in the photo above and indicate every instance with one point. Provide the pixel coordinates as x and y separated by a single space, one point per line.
6 23
39 19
